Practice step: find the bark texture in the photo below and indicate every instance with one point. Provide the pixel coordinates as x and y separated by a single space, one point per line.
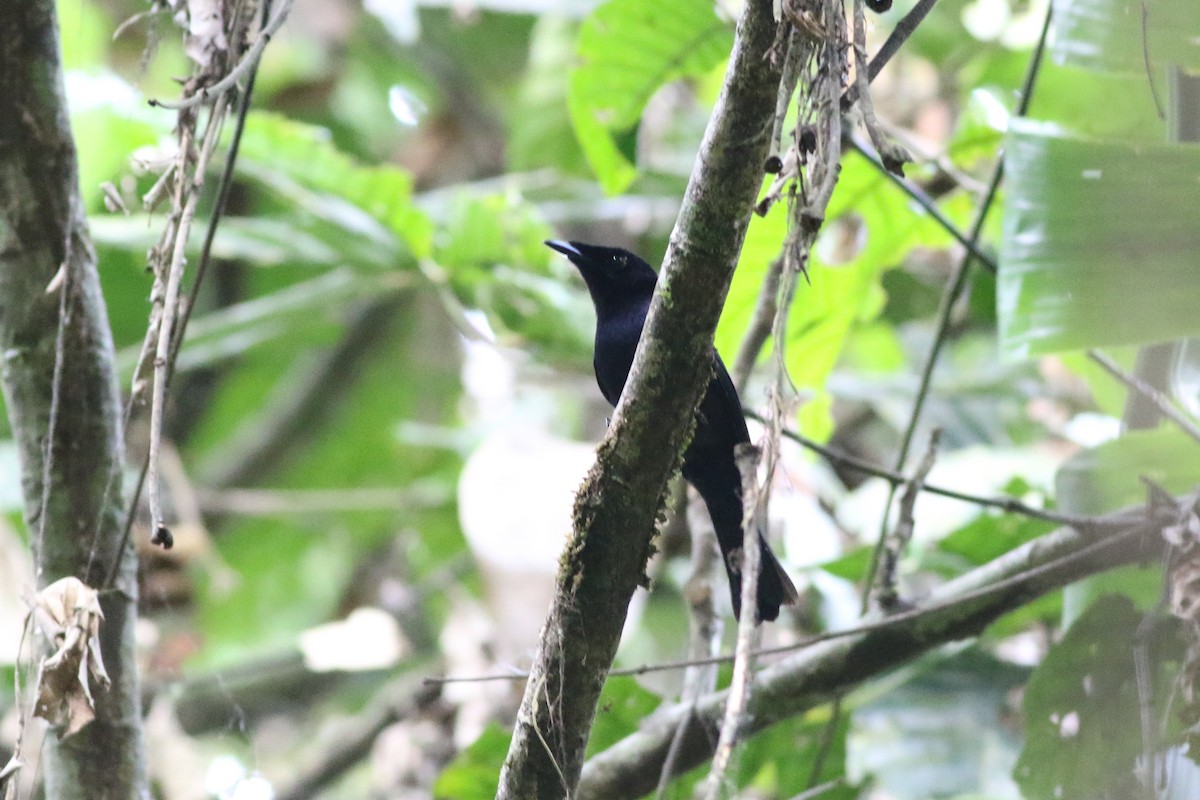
72 488
619 502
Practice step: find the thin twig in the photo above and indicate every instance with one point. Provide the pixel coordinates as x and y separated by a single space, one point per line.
1126 530
1158 104
787 87
218 210
1009 504
247 62
159 533
760 325
174 341
893 155
817 791
748 457
904 28
954 292
885 593
668 768
927 204
60 356
1136 384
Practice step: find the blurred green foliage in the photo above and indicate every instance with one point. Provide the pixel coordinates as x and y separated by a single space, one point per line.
397 178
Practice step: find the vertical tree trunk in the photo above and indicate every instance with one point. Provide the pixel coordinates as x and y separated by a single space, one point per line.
616 509
72 489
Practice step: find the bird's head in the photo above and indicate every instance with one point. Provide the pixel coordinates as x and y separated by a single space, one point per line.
611 274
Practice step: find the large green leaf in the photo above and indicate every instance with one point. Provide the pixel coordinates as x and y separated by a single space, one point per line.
1123 35
1083 730
284 153
627 50
1099 242
1108 477
837 298
942 733
539 128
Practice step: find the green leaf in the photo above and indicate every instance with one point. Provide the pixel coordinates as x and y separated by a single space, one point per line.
1103 105
759 766
1099 242
539 130
1083 734
283 153
1108 477
838 298
492 251
990 536
1120 35
940 734
627 50
297 239
853 566
472 775
623 705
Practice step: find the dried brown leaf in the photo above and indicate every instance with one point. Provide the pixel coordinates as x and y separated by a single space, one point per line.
68 613
206 32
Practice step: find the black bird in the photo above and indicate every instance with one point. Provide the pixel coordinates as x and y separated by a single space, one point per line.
622 285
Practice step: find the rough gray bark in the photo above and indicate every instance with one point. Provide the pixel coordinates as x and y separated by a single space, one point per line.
618 504
43 228
818 674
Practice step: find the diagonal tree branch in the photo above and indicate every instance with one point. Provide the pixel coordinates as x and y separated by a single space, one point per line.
60 391
621 498
818 674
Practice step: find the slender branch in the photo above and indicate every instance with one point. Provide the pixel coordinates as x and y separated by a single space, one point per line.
1009 504
248 62
193 293
60 335
188 192
886 593
904 28
787 87
757 334
1097 534
954 290
704 626
927 204
1155 397
748 457
892 155
218 210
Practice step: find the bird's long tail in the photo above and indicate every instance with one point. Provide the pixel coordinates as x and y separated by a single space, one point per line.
775 588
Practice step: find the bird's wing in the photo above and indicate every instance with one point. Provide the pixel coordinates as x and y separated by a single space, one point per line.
722 391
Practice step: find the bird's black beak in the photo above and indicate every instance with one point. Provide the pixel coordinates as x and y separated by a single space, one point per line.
566 248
